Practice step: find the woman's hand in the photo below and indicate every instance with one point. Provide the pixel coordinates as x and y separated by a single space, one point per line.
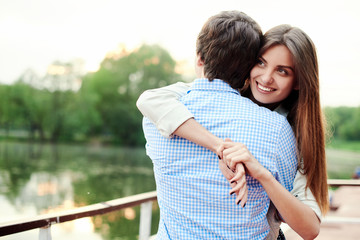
237 181
235 154
236 158
238 184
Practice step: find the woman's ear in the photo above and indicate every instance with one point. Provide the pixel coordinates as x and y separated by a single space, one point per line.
296 86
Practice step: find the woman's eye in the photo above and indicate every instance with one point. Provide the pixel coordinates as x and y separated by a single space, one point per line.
260 63
283 71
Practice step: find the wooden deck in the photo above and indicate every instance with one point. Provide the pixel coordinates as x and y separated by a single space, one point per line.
347 198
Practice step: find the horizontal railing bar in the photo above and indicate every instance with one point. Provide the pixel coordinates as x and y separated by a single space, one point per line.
45 220
69 215
344 182
338 220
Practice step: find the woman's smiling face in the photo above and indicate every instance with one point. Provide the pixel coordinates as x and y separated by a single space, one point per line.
273 78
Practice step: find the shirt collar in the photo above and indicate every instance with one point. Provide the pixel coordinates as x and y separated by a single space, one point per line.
214 85
281 110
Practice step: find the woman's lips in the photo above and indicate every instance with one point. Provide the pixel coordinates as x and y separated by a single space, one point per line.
264 89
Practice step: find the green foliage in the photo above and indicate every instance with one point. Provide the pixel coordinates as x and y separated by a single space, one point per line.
353 146
344 122
104 108
119 82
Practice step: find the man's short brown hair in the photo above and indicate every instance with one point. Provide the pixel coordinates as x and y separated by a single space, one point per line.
228 44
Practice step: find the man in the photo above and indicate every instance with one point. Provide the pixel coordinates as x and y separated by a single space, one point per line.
192 192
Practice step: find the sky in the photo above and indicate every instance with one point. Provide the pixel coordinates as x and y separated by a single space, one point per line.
35 33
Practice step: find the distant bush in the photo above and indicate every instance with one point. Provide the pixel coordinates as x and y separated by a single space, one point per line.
344 122
65 105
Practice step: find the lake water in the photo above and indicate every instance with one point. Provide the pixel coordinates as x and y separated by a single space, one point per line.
42 178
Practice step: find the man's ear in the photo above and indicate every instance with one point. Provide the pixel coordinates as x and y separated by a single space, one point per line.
199 61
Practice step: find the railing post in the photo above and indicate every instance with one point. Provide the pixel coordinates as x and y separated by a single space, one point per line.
145 220
45 233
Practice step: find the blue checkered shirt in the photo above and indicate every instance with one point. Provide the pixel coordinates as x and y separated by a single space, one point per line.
193 195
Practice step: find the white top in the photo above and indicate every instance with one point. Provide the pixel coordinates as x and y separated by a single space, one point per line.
163 108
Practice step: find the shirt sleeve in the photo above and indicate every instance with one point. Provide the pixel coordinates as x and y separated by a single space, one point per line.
163 108
305 195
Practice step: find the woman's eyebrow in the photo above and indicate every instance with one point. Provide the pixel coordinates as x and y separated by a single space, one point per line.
279 66
283 66
263 59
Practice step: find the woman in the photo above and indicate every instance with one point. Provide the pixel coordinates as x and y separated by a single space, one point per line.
285 80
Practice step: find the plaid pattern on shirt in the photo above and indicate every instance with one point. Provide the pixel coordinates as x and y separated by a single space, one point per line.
193 195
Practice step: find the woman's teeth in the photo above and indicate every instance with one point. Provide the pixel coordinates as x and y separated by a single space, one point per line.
265 88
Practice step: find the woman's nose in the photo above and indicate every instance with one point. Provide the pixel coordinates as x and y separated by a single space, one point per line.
267 77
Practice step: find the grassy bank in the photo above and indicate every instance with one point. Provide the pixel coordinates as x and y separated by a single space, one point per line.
344 145
341 164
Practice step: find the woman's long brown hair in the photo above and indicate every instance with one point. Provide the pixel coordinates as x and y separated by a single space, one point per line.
305 114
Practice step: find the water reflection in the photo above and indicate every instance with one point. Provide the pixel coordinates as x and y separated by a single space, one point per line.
37 179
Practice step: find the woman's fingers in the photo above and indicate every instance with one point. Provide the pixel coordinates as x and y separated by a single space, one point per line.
240 188
233 153
219 151
228 174
241 197
228 155
239 173
241 191
237 158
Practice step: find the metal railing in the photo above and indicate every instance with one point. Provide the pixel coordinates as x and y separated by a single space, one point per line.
44 222
344 182
145 200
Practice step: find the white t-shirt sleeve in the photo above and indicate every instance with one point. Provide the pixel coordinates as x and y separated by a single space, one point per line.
303 195
163 108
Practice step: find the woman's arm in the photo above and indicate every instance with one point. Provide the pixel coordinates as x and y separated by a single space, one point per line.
171 117
163 108
195 132
304 194
300 217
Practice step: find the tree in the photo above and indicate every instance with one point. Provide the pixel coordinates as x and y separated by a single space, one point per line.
62 80
119 82
55 107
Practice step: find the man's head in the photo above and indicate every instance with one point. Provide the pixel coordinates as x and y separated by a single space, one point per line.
228 46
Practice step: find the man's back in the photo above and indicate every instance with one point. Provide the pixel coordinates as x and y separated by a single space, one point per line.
193 195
